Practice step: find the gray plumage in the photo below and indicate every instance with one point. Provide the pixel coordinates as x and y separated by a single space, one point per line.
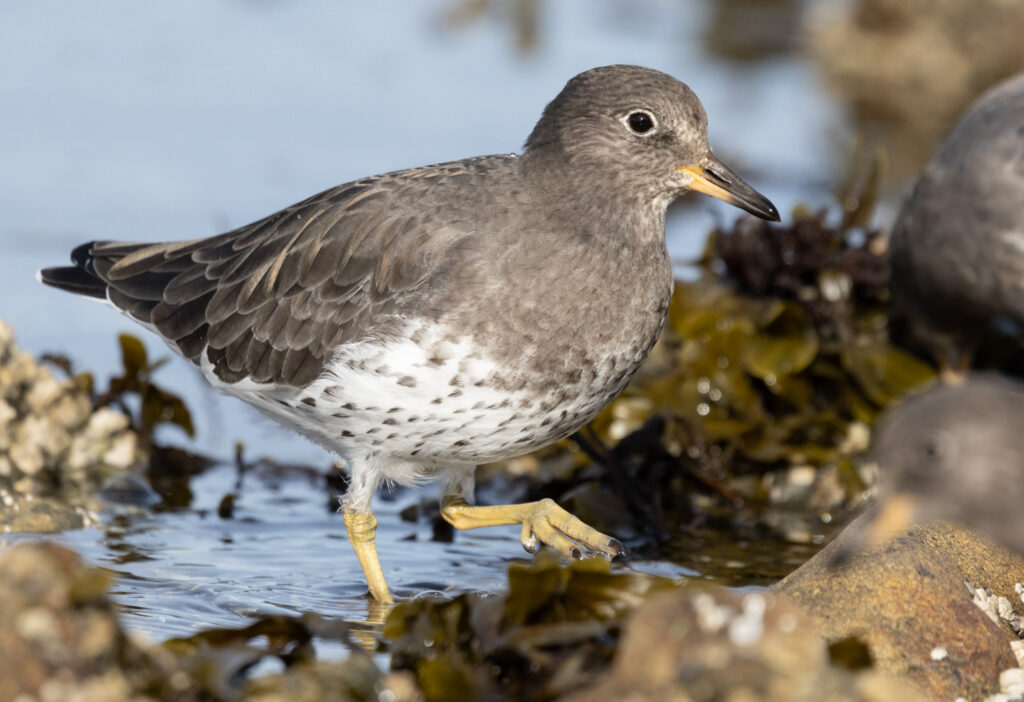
958 450
958 244
443 316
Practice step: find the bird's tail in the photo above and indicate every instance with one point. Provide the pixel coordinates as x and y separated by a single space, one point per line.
81 278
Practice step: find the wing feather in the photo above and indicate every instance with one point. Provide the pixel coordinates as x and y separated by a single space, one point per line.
272 300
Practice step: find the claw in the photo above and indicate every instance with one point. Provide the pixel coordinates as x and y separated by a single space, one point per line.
620 550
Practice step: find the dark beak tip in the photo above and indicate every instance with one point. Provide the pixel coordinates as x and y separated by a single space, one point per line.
762 208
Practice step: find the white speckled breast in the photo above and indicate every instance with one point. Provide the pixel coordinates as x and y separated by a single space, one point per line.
434 401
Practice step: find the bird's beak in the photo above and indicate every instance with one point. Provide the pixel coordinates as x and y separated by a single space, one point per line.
895 515
714 178
886 519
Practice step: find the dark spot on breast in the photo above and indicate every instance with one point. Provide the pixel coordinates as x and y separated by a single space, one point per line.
346 432
437 401
408 381
374 430
391 421
456 381
412 419
436 360
394 409
455 393
389 437
309 401
546 422
340 415
547 406
349 406
461 442
525 404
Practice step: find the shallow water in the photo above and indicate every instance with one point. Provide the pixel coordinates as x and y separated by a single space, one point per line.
145 122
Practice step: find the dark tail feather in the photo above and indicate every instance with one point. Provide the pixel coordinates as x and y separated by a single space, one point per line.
80 278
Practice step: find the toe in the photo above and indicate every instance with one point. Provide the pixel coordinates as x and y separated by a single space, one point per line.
553 538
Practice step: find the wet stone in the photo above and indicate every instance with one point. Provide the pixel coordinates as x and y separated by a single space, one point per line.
706 643
907 601
62 641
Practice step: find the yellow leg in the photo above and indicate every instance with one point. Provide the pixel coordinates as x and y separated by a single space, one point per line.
544 522
361 528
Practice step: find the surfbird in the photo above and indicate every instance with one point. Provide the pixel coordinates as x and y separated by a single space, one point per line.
958 243
421 322
952 452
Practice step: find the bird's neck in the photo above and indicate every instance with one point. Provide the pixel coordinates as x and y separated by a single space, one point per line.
594 205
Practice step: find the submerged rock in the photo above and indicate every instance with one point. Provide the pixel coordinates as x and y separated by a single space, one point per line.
936 605
55 449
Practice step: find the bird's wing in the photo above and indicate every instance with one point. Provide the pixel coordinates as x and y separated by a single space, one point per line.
272 300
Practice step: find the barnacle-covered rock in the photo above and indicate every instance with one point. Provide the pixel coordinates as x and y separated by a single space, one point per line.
56 451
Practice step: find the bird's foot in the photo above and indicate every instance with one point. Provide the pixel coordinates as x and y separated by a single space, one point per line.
543 522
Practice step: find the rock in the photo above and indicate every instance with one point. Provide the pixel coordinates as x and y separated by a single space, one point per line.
41 515
706 643
907 601
356 678
61 639
53 445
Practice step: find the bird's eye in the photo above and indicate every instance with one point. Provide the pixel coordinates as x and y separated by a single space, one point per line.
938 447
640 122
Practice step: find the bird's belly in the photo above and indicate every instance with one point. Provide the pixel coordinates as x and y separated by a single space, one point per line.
439 400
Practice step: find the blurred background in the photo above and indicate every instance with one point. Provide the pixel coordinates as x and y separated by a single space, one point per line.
133 121
158 121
